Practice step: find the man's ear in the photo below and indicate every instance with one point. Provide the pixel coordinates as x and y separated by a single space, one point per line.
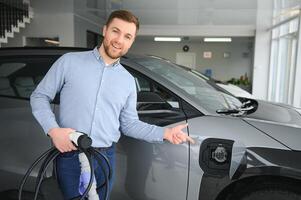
104 29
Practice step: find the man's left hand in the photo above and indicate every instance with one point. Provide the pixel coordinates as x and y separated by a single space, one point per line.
175 135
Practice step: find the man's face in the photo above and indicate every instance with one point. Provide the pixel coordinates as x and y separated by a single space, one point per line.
118 37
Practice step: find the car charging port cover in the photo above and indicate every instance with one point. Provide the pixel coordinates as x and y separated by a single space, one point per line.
215 156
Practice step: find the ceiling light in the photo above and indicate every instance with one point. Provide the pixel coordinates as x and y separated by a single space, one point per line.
217 39
52 41
167 39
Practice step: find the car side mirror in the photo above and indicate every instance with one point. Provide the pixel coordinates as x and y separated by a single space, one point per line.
222 157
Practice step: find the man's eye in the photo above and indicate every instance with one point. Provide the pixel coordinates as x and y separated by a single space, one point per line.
128 37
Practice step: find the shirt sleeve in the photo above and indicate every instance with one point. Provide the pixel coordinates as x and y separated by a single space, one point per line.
130 124
45 92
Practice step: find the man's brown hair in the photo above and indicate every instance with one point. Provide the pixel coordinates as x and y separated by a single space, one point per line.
124 15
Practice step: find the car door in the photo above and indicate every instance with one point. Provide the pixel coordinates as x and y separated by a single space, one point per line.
21 138
152 170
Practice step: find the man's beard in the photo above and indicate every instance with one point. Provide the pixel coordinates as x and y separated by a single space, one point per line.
107 46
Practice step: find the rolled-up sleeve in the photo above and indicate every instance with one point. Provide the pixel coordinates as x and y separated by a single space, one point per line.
130 124
45 92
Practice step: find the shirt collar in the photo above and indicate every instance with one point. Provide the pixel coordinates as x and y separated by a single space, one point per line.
98 57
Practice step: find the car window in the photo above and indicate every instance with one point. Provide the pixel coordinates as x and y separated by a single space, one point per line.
194 86
144 85
162 106
19 76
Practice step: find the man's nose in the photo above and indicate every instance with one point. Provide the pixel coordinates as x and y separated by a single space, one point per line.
119 38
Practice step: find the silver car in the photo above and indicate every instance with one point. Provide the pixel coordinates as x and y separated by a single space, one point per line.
245 148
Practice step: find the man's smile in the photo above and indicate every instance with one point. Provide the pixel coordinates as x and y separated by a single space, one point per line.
115 46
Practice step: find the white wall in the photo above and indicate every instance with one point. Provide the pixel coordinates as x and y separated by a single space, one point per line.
262 49
198 30
81 26
84 20
223 69
52 7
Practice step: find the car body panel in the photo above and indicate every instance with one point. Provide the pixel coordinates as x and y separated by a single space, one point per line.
231 128
150 171
288 135
22 137
275 113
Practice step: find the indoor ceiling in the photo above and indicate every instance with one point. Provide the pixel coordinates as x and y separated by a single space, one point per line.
193 12
187 12
183 12
189 17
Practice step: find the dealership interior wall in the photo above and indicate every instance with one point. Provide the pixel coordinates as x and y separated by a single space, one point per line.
265 45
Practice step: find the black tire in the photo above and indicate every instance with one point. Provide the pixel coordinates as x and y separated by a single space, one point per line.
269 191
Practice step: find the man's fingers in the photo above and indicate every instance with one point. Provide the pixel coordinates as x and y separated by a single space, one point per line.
71 130
176 139
184 138
66 148
190 139
60 150
71 146
181 136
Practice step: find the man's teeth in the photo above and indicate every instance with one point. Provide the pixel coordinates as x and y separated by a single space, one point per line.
115 47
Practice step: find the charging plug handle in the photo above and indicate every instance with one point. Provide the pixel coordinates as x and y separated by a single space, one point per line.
84 142
81 140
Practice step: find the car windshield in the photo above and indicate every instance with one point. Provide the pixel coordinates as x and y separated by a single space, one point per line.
193 85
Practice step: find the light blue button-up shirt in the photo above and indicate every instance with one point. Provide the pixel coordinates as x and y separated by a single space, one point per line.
95 99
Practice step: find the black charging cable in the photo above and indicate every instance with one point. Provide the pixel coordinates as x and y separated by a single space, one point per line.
83 142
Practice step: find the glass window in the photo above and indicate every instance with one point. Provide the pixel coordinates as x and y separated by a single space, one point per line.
190 83
145 85
156 104
20 76
282 73
282 68
285 9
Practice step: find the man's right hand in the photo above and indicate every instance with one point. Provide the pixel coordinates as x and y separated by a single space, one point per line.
61 140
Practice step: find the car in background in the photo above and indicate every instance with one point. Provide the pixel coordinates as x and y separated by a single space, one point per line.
245 148
231 88
235 90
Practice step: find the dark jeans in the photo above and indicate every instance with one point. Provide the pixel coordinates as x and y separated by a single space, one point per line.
68 172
